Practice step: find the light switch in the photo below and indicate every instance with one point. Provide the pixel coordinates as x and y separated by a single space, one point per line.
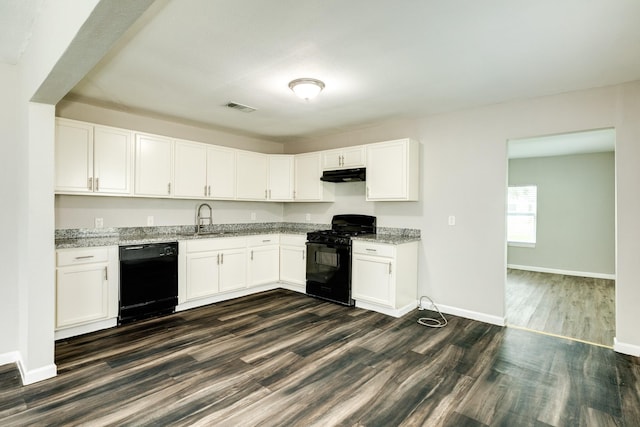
452 220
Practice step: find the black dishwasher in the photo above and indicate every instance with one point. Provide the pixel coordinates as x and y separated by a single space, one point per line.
148 281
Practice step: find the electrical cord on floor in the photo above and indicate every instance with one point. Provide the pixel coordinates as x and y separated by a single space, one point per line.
430 321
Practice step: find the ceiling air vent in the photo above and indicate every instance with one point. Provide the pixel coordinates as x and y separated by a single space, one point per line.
241 107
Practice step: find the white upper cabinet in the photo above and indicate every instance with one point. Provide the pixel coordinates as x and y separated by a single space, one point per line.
92 159
251 176
190 170
221 173
74 156
154 166
203 171
280 177
393 170
344 158
307 184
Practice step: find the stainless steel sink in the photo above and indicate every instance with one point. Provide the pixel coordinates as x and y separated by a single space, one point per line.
202 233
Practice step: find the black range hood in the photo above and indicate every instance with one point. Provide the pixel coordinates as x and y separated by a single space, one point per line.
344 175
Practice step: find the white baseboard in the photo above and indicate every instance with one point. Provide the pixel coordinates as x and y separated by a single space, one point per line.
85 329
630 349
386 310
293 287
473 315
28 377
565 272
40 374
10 357
226 296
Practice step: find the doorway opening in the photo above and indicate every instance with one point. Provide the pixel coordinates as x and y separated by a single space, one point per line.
561 235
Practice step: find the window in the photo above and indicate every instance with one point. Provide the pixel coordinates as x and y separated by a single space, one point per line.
521 215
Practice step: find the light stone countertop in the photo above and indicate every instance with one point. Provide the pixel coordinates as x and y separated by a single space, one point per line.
82 238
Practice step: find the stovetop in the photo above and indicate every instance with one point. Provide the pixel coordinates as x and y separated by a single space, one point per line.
343 228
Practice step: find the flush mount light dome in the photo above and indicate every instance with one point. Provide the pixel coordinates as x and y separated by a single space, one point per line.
306 88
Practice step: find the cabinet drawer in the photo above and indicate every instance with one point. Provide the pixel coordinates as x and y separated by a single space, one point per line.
264 239
67 257
293 239
203 245
377 249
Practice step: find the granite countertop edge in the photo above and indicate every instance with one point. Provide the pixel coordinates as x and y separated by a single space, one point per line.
83 238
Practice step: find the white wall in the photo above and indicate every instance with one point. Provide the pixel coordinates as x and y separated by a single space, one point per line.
575 213
465 174
9 170
160 126
81 211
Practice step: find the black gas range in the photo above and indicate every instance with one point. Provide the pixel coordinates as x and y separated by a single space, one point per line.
329 257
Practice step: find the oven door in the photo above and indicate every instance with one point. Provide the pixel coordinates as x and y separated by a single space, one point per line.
329 272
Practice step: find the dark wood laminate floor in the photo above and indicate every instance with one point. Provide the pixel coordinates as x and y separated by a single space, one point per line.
284 359
578 307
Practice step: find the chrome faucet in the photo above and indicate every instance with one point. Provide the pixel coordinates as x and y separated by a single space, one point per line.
200 218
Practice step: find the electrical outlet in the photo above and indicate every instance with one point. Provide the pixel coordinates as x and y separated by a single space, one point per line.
253 216
308 217
452 220
150 221
99 223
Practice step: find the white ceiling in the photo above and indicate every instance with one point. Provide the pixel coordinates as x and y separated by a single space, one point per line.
593 141
379 59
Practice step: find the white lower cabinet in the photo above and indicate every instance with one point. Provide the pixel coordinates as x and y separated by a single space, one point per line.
211 266
264 255
86 290
384 276
293 262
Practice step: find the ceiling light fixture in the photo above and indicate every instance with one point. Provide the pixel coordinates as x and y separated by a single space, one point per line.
306 88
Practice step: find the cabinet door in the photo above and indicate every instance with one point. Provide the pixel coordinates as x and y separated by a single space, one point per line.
154 165
112 153
387 173
307 177
353 157
251 176
233 269
293 264
221 173
73 157
202 274
264 264
280 177
373 279
190 170
344 158
82 294
331 159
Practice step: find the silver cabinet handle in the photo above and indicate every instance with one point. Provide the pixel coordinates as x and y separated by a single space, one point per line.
367 191
97 184
84 257
90 184
303 254
266 240
209 191
252 255
269 193
218 259
205 190
169 188
106 274
294 195
370 250
222 258
265 193
389 267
